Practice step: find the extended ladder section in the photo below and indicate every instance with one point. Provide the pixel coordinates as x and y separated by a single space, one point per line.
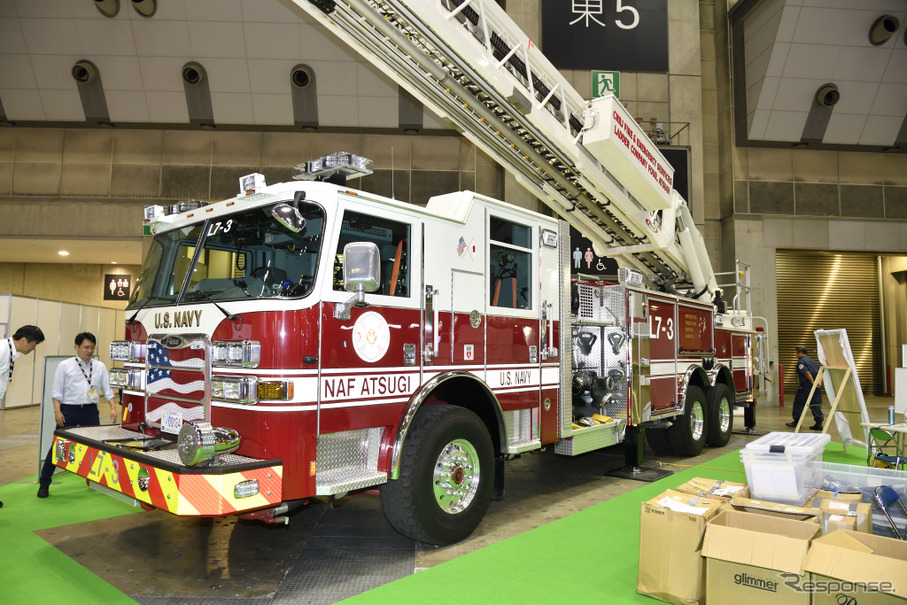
587 160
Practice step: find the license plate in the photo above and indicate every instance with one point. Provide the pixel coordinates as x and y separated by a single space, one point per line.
171 423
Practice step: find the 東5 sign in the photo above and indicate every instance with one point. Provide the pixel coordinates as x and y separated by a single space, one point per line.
626 35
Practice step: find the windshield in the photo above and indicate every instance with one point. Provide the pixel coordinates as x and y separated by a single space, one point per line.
244 255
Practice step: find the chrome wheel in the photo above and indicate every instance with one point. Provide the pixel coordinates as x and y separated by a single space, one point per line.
456 476
697 421
724 415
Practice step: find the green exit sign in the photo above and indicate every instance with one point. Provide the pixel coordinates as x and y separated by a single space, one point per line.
604 82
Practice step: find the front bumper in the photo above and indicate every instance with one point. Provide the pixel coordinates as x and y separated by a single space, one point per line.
109 456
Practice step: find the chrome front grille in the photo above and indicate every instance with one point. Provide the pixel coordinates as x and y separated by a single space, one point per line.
178 377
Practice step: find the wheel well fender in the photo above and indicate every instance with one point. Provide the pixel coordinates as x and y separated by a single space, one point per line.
451 388
721 374
695 375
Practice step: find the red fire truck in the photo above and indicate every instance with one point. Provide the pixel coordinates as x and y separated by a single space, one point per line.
308 339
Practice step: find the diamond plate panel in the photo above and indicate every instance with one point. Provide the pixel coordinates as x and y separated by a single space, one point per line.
522 427
591 438
565 403
106 433
600 342
348 460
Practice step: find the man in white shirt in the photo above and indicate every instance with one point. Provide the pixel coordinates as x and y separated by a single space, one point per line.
78 384
23 342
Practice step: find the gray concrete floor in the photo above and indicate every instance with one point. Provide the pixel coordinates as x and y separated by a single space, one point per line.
234 559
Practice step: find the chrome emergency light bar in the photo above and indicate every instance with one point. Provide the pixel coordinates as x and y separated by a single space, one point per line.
156 212
341 163
332 166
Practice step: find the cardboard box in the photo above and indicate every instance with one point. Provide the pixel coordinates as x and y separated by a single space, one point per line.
838 514
858 568
670 538
776 509
824 494
753 559
711 488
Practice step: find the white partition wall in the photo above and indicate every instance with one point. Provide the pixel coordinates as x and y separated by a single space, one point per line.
60 323
48 314
5 300
22 389
70 315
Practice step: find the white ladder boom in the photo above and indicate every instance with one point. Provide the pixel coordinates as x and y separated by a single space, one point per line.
588 161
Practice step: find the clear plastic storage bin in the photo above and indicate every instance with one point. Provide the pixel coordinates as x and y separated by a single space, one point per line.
776 465
855 477
858 477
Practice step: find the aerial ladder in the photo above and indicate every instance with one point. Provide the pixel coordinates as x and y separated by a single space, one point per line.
589 161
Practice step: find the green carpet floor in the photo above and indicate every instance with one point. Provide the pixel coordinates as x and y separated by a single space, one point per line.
32 571
588 557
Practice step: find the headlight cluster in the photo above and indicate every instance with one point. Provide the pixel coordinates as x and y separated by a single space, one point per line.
127 350
236 353
240 389
248 389
127 378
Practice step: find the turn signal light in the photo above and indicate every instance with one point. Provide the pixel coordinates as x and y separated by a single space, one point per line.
275 390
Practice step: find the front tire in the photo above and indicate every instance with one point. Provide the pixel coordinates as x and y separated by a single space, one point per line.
687 434
446 477
721 416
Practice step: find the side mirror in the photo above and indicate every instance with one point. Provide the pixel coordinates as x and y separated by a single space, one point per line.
288 216
361 267
361 274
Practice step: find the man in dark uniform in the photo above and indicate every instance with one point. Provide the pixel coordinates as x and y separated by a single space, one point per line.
807 373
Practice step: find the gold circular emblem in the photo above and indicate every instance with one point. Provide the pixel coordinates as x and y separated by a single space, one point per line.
547 403
475 319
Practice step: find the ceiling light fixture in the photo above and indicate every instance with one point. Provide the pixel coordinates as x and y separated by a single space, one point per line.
828 95
301 75
145 8
63 253
84 71
883 29
108 8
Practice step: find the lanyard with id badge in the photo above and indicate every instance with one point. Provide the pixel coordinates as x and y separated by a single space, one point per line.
92 390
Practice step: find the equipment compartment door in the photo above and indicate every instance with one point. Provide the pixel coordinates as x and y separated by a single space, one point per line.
663 349
741 363
467 320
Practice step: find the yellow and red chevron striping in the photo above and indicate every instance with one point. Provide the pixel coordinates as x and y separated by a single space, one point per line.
186 494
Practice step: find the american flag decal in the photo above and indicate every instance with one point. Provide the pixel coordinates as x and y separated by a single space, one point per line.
176 372
184 357
461 247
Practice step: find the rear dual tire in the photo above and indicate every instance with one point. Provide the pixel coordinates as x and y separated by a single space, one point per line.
721 416
688 433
